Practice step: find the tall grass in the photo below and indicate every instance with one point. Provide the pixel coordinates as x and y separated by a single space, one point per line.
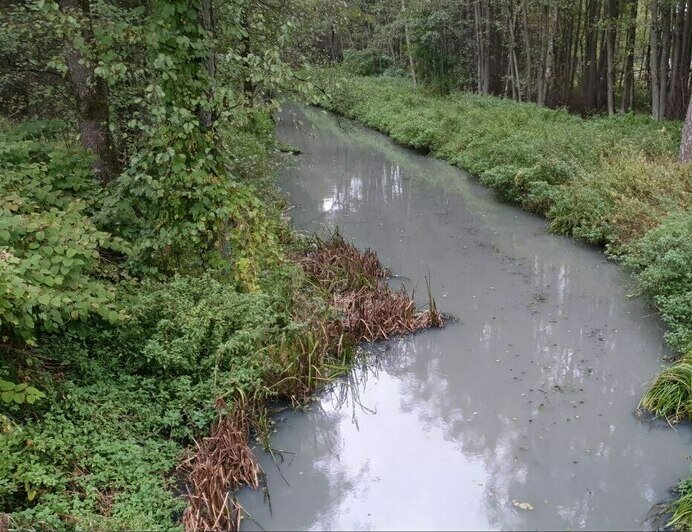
670 394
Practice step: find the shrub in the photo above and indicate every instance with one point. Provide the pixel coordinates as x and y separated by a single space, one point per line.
366 62
662 260
51 269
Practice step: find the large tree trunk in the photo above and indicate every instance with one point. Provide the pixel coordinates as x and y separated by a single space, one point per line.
91 97
686 144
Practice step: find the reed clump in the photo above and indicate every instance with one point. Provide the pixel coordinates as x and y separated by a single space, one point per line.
356 283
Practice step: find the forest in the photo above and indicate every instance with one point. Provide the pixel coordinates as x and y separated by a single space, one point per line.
156 301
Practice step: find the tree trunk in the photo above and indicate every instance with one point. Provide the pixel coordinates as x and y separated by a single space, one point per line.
664 62
590 87
542 58
91 97
527 53
613 10
653 62
408 45
686 144
628 81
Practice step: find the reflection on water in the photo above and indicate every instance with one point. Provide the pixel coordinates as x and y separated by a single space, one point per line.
529 398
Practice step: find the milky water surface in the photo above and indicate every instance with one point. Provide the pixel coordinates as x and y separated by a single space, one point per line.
518 416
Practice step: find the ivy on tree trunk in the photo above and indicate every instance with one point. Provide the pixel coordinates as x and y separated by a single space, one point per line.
91 97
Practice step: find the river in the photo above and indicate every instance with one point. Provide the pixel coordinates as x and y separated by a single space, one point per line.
520 415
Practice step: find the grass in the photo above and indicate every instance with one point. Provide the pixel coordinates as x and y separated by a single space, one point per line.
612 181
670 394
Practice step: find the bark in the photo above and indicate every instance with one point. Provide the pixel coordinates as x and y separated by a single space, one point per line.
664 62
653 63
540 99
590 87
527 52
408 45
91 98
628 77
610 55
686 144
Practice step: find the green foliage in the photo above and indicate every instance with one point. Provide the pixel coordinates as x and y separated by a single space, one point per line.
50 250
97 454
366 62
132 397
19 393
670 394
681 509
662 260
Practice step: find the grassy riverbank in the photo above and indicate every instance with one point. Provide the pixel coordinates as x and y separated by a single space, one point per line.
612 181
112 369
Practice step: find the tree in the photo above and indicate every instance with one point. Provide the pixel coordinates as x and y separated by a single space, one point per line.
686 144
90 94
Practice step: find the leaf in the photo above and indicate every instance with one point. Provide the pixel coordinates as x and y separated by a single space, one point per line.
522 505
7 396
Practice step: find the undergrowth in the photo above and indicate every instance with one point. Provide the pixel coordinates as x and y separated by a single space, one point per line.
131 362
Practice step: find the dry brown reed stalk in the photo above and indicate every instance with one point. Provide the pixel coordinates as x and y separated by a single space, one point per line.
222 463
356 282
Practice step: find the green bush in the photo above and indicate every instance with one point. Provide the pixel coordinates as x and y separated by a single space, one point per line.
51 270
366 62
130 399
663 262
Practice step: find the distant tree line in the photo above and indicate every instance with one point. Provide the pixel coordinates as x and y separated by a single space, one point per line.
588 55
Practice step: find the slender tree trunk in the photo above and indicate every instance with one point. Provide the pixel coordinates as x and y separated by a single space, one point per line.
610 38
664 62
628 78
480 47
590 88
542 59
91 97
527 52
550 53
408 45
514 64
653 63
686 144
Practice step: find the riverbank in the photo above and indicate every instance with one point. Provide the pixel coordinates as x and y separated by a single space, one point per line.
123 369
613 182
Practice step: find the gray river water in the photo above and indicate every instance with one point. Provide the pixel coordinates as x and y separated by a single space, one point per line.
518 416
